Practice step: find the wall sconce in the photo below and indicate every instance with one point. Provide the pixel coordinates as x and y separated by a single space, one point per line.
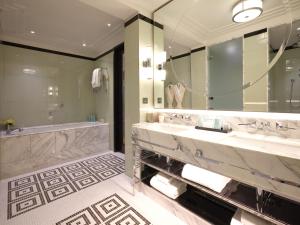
161 66
147 63
146 58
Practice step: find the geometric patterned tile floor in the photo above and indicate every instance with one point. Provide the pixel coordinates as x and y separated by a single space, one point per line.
25 193
109 211
90 191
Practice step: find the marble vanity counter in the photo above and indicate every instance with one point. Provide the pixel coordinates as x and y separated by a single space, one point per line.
269 162
278 146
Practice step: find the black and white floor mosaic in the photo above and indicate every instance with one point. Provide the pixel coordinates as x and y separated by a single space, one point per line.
112 210
33 191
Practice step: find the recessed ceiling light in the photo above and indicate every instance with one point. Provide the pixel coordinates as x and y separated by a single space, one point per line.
29 71
298 28
84 44
32 32
170 46
109 25
247 10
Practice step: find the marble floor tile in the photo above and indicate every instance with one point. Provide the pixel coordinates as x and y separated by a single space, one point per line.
32 207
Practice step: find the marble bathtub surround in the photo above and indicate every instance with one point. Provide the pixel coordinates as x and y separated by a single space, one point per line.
271 163
29 152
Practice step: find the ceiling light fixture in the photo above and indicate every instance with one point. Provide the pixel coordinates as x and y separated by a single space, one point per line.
109 25
247 10
32 32
298 28
84 44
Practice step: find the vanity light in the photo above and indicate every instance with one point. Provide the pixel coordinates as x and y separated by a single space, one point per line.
161 65
247 10
146 55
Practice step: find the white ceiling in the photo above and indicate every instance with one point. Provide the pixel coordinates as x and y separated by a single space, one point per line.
64 25
196 23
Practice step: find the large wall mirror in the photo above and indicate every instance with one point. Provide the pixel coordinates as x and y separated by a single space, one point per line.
228 55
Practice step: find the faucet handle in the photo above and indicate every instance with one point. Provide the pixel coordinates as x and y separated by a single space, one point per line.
187 117
283 127
254 123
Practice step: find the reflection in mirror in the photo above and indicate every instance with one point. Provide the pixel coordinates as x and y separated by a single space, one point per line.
285 75
213 62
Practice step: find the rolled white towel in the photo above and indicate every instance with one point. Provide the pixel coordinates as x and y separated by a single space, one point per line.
250 219
236 219
173 189
164 178
204 177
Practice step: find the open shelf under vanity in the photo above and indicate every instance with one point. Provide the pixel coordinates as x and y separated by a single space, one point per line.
219 208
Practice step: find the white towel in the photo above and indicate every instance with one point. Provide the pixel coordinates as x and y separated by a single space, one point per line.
242 217
236 219
96 78
163 178
173 188
204 177
170 95
250 219
179 90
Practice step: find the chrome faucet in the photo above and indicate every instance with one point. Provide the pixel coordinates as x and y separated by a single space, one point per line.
9 131
251 124
283 127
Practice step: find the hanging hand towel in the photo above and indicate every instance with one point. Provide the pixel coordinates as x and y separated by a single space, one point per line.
179 91
204 177
170 95
96 78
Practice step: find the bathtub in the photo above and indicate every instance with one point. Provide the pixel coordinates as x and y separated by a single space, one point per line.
39 147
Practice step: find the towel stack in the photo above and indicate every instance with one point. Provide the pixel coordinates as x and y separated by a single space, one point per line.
204 177
244 218
96 78
167 185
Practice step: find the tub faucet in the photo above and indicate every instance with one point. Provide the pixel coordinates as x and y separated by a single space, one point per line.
9 131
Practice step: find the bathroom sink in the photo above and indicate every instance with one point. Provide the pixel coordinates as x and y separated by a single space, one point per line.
203 135
268 144
166 128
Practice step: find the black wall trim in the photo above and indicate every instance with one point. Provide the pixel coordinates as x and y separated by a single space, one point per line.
144 18
118 99
179 56
45 50
58 52
198 49
255 33
109 51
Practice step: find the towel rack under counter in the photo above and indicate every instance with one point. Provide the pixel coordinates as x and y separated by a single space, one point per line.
275 209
